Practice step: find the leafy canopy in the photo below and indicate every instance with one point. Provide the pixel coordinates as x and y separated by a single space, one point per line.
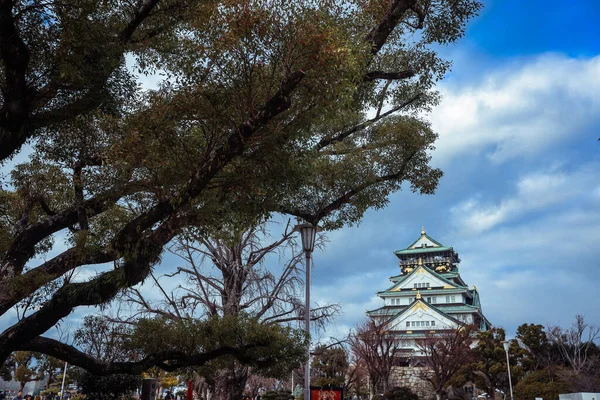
311 109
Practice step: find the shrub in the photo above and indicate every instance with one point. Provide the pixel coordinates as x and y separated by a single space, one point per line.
400 393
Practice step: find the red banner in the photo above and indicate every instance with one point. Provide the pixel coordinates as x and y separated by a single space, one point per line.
326 394
189 394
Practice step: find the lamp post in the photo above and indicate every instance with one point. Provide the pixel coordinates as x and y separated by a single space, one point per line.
62 387
308 233
505 344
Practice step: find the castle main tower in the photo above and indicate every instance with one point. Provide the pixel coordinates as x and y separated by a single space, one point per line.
428 296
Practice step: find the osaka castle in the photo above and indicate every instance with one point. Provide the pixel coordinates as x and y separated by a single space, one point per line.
428 295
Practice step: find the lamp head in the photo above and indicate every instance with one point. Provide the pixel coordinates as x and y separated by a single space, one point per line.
505 344
308 233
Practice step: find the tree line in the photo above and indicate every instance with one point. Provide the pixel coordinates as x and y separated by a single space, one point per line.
544 361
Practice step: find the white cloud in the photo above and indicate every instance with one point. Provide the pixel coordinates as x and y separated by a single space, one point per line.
536 191
519 109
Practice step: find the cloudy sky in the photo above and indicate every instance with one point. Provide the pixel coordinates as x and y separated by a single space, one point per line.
520 199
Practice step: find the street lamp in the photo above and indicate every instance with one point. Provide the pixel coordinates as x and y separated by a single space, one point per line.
308 233
505 344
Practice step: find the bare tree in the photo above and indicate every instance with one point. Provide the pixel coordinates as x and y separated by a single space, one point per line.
225 274
574 344
445 353
357 378
580 353
375 348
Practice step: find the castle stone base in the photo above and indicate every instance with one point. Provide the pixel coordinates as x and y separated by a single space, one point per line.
410 377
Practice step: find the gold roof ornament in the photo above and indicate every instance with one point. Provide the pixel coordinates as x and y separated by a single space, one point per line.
422 230
475 287
420 261
418 295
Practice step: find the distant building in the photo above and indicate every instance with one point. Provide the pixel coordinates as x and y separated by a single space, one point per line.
427 297
32 388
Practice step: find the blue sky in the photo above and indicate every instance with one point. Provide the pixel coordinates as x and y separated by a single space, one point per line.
520 199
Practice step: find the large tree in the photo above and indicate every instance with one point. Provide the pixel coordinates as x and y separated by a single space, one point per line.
489 368
263 109
25 368
224 274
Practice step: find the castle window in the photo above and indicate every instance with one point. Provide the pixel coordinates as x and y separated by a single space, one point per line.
426 323
408 324
450 299
432 323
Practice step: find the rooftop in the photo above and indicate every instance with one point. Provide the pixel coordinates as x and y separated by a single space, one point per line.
424 244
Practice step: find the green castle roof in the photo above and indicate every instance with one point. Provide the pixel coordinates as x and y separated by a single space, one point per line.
420 250
435 246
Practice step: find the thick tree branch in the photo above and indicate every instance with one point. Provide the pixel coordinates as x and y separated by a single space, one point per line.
23 245
24 285
139 16
93 292
15 110
379 34
16 122
373 75
167 360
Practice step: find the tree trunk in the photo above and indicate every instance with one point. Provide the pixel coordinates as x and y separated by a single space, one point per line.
230 383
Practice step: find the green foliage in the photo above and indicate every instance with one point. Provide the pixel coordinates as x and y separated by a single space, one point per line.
272 350
50 366
104 339
489 370
537 345
544 383
400 393
329 366
277 395
110 387
25 370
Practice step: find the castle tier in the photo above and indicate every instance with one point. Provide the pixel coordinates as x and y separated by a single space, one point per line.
428 296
